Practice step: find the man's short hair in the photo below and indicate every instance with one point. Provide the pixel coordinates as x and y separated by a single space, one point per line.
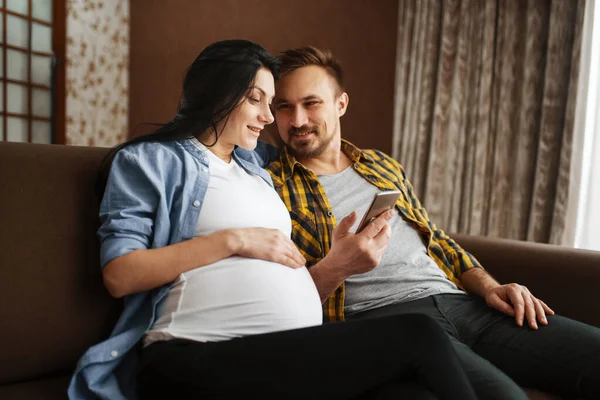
305 56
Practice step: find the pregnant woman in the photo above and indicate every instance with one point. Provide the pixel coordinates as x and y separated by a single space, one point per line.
217 301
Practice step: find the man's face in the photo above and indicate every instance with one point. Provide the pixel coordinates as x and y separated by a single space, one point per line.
308 107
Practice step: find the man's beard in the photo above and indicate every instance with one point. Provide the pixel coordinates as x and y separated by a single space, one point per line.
304 149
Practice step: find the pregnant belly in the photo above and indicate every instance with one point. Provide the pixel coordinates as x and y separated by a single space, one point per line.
239 297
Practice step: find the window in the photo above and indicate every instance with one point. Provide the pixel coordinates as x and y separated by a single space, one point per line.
583 214
32 94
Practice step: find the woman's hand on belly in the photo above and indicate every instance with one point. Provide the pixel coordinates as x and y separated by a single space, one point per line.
266 244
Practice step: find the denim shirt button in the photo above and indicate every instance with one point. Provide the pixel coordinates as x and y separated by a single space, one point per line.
196 203
114 353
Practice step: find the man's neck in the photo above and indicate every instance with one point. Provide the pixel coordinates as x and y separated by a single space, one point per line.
330 162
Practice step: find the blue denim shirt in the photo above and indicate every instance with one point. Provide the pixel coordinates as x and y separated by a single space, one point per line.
152 199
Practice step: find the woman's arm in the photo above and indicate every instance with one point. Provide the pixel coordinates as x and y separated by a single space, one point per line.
146 269
134 192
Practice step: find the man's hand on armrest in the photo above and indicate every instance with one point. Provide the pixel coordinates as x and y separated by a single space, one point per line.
511 299
350 253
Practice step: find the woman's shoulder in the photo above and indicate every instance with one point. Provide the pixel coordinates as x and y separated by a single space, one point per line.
152 159
151 149
151 155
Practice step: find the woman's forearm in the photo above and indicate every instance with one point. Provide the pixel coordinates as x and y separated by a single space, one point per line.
143 270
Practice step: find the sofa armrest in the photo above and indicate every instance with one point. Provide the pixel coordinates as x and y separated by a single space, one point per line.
566 279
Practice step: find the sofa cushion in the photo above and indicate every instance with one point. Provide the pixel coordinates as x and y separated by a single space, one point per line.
54 304
42 389
564 278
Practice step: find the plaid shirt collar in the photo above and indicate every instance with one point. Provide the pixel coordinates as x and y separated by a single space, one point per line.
289 162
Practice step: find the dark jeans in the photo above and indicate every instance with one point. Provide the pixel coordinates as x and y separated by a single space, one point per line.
358 359
498 355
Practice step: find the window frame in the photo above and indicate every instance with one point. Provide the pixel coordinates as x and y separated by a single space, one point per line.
57 86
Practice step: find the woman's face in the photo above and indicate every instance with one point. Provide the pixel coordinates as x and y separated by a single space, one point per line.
246 121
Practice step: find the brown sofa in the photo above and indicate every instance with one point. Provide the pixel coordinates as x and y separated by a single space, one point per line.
54 304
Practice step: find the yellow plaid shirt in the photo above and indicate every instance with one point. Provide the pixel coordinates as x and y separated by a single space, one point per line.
313 221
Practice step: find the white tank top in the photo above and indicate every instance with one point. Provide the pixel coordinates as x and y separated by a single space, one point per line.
237 296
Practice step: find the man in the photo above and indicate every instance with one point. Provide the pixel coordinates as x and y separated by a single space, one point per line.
402 263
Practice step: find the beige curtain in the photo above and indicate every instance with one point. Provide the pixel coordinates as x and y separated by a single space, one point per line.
485 105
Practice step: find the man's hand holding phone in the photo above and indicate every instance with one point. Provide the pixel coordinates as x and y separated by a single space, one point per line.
382 202
352 253
357 253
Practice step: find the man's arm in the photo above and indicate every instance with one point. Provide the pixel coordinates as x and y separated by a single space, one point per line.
478 282
350 253
512 299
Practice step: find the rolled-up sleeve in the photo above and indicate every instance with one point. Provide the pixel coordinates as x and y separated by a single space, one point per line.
127 210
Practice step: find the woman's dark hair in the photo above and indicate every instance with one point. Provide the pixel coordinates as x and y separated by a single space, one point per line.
214 85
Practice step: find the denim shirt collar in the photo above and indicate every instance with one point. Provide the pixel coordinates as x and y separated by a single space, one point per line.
238 156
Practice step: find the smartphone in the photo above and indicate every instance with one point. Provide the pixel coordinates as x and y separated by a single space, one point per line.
382 202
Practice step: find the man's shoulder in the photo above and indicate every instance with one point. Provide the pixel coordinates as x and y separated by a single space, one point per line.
275 165
378 155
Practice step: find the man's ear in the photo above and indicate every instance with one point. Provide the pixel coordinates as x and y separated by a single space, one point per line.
342 103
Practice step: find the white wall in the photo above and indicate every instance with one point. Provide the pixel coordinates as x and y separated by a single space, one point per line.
585 180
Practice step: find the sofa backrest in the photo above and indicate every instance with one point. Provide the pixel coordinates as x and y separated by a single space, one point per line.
54 304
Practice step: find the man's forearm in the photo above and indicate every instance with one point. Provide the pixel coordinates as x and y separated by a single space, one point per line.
326 278
477 281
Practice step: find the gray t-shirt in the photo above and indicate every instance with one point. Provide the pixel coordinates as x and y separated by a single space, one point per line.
405 273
